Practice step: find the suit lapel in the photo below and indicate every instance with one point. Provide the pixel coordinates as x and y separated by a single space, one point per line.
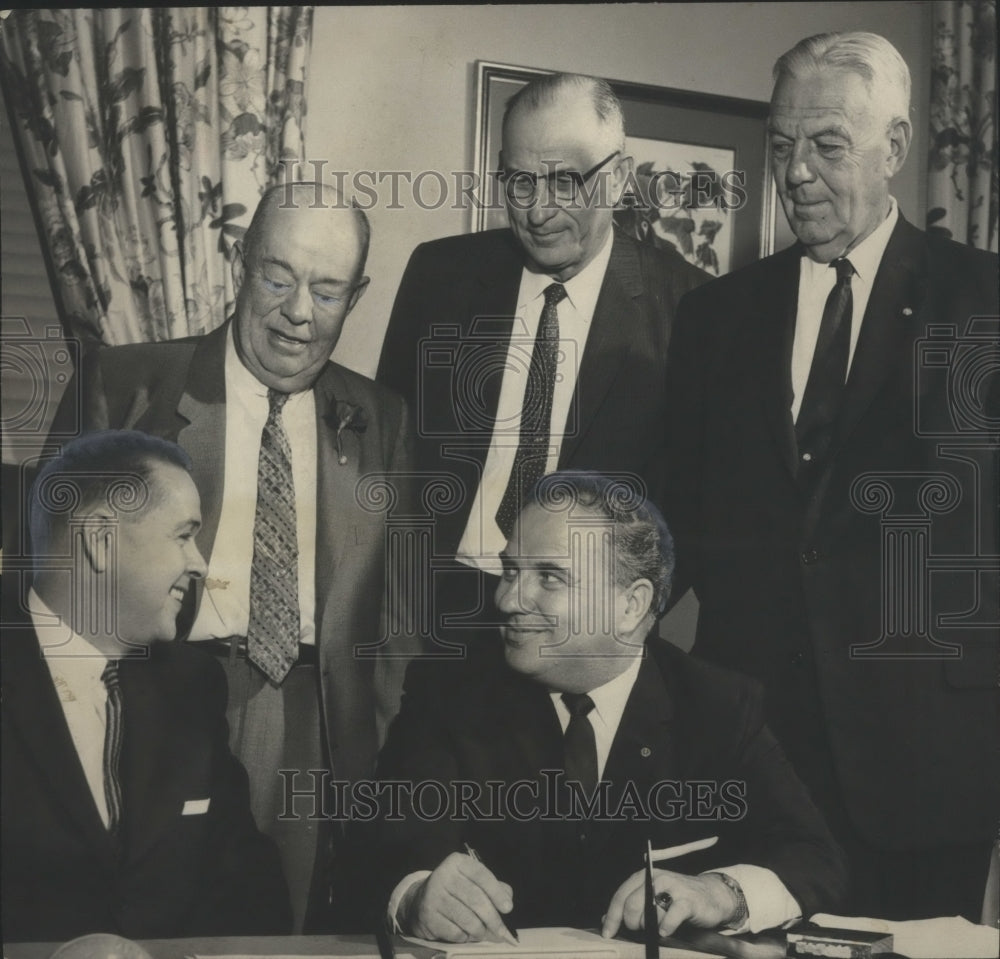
33 707
899 286
202 413
335 487
616 315
778 299
151 800
493 309
643 749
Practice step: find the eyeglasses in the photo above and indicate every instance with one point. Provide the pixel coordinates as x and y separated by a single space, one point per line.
563 185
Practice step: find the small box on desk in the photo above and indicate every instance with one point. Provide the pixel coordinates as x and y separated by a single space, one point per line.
842 943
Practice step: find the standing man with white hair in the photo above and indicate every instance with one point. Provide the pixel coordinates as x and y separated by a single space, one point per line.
822 448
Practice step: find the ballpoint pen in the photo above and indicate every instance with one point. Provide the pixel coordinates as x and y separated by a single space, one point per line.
507 925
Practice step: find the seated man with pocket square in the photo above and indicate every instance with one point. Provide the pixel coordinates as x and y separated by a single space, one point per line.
123 809
559 751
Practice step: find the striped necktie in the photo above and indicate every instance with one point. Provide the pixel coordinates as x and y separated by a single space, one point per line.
113 734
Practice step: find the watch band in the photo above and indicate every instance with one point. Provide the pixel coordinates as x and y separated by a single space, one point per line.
742 910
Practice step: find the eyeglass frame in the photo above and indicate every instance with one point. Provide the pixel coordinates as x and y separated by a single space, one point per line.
579 180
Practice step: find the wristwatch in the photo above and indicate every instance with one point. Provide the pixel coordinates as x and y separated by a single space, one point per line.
742 911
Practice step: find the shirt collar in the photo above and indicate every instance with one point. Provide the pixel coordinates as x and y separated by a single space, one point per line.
867 255
61 646
610 699
586 283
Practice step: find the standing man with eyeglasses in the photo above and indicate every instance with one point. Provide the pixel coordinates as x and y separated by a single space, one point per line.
537 347
281 439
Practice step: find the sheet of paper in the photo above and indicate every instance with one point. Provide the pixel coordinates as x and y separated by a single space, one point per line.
543 942
950 937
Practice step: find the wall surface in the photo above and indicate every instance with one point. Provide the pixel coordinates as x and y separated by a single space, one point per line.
392 88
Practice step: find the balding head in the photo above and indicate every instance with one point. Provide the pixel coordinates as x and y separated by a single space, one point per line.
298 273
565 169
306 195
569 90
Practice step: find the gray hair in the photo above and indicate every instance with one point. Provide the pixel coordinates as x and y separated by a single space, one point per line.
547 89
644 548
870 56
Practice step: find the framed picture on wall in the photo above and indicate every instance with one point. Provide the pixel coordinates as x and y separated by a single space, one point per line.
700 184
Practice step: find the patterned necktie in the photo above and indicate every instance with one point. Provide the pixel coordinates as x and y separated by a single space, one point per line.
828 373
273 633
113 734
536 413
579 744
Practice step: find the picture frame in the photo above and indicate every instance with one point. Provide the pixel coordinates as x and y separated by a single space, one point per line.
719 219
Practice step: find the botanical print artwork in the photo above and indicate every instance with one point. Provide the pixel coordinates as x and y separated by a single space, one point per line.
683 198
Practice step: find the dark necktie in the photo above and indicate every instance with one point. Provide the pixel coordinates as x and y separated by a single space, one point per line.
536 413
273 633
579 745
828 373
113 732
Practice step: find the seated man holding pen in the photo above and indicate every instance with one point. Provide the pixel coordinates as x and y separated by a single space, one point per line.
519 787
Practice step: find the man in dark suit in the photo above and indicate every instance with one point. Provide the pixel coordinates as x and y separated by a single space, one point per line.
827 444
466 344
123 808
583 703
321 699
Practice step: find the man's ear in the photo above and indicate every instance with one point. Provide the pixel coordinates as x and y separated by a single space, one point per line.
637 603
96 537
900 136
238 267
622 176
359 291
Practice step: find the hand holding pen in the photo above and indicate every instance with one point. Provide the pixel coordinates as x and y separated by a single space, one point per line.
461 901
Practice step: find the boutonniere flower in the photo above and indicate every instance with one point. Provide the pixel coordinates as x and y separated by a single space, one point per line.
348 417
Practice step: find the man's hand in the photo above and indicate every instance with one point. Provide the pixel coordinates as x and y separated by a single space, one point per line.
460 901
704 901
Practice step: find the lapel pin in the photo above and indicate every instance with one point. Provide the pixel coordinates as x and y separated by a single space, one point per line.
645 752
907 311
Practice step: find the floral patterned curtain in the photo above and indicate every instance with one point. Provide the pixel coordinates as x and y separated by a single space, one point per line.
962 174
149 135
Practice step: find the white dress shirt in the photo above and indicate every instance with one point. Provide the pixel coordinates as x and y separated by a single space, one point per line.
76 666
482 540
225 603
769 903
816 280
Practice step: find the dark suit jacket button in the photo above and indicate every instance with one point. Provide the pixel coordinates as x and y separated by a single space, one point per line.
797 658
810 556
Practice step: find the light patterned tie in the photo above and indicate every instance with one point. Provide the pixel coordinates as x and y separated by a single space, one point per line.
113 734
273 633
536 412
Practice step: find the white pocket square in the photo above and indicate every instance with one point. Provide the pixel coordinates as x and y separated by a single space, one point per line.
196 807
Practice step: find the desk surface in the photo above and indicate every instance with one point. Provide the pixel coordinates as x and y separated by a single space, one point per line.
231 946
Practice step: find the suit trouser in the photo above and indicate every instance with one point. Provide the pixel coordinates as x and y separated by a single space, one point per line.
276 734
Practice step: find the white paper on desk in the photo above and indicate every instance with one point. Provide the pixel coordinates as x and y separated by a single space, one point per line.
552 943
950 937
547 942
